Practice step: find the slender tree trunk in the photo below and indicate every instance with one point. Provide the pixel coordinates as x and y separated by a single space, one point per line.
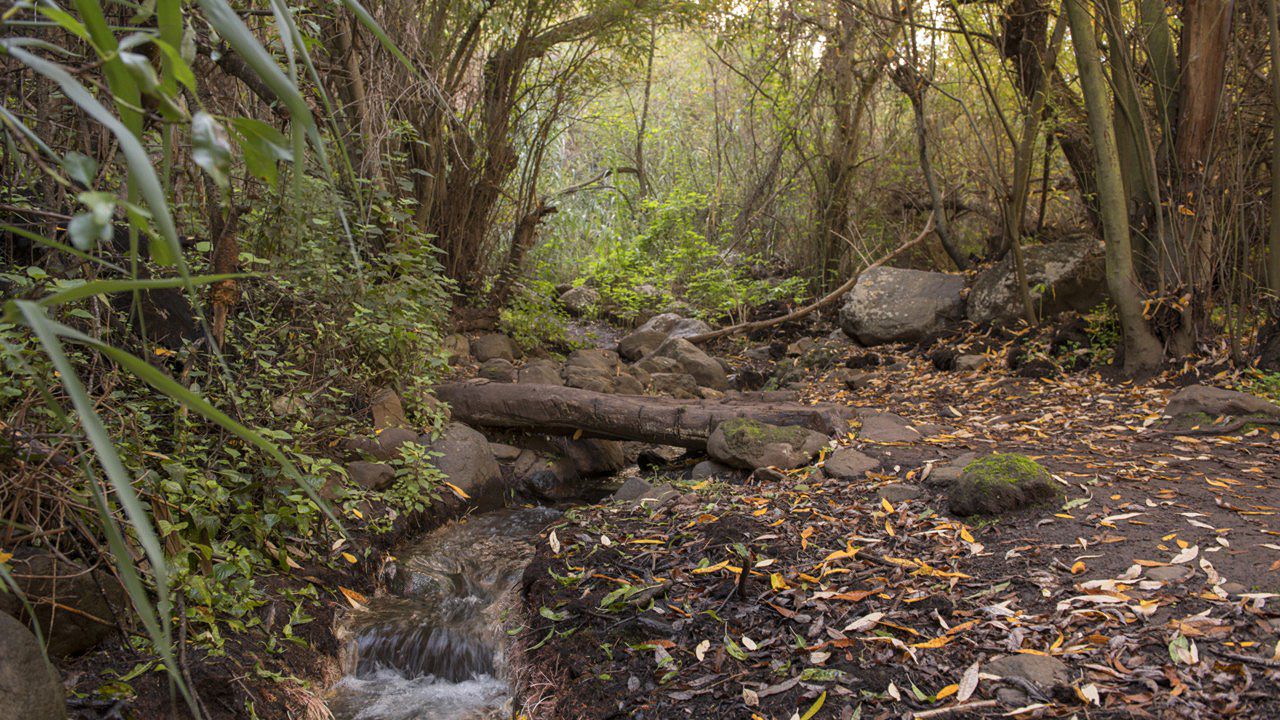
641 175
1142 351
1273 257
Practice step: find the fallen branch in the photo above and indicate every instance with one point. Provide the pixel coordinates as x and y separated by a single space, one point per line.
823 302
945 711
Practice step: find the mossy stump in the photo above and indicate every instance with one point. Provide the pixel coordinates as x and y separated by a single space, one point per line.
1001 483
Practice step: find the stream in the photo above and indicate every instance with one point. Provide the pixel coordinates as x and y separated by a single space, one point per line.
434 649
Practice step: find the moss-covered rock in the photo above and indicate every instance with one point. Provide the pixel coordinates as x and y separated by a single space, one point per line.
1001 483
750 444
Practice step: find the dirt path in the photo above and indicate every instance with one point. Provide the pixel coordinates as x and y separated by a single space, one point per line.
1146 594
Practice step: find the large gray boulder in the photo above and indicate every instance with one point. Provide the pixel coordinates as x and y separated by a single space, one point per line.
1061 276
1205 400
74 606
646 338
705 369
467 461
29 686
580 300
640 343
750 445
896 305
494 345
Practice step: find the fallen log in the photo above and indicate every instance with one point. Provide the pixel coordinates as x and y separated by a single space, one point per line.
559 410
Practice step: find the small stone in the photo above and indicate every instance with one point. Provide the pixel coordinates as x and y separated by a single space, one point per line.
900 492
503 452
640 492
1234 588
371 475
767 474
969 363
1043 671
853 380
1168 573
885 427
709 468
846 463
387 410
390 440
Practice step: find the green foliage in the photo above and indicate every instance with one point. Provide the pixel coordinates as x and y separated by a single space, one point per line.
672 264
535 318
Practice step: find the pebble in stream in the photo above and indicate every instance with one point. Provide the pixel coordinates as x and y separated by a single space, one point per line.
435 650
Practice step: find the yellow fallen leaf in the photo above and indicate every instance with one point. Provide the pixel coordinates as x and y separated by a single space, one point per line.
1078 567
356 599
349 557
934 643
457 490
5 556
711 568
888 506
965 535
815 707
779 584
947 692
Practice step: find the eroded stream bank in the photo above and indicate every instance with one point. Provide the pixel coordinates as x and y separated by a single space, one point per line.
434 648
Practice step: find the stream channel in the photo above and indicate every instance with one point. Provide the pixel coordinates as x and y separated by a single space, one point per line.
434 648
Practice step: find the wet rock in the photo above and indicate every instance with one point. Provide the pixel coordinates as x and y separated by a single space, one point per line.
900 492
456 347
884 427
710 468
640 343
580 300
676 385
848 464
466 460
540 372
1001 483
704 368
1062 276
75 607
494 345
30 688
371 475
387 410
497 370
899 305
750 445
640 492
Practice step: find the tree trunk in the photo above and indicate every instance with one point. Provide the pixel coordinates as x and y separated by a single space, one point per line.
1273 258
569 411
1142 351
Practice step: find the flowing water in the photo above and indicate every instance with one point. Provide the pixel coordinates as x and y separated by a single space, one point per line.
435 650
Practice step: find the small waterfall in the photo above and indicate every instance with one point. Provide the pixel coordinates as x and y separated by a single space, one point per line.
435 650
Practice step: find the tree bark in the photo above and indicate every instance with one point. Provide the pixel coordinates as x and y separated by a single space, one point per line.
1142 351
1273 258
569 411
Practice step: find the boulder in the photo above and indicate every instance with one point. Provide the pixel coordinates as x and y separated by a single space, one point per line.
498 370
390 441
705 369
640 343
627 385
371 475
653 364
673 325
30 688
388 411
591 457
897 305
75 606
540 372
676 385
549 478
886 427
580 300
1061 276
1213 402
846 463
589 378
708 469
749 444
494 345
639 492
1001 483
605 361
456 347
466 461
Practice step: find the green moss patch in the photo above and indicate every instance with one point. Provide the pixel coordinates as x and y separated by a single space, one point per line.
1001 483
